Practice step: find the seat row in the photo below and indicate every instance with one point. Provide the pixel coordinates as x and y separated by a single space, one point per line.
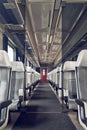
12 89
71 79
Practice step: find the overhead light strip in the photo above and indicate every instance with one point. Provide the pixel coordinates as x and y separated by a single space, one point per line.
47 38
75 1
41 1
51 37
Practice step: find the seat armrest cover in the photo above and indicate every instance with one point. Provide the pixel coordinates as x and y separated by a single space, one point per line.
5 104
82 103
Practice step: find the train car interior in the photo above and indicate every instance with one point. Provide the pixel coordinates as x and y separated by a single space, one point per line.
43 64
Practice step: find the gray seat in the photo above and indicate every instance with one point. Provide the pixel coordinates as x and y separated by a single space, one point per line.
69 84
29 81
81 84
54 77
17 84
28 76
5 73
31 77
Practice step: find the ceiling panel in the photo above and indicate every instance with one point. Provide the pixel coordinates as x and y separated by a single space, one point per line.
54 48
40 12
41 37
41 17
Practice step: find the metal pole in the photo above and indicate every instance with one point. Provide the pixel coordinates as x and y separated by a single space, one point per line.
25 51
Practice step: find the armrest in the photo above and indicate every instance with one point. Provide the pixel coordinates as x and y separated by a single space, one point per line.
20 98
60 88
80 102
5 104
29 87
83 104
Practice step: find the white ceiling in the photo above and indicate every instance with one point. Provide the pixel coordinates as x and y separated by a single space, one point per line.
46 21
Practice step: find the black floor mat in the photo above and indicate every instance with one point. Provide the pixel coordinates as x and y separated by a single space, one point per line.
43 113
44 121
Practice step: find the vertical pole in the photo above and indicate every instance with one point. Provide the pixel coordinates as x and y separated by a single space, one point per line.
25 51
62 85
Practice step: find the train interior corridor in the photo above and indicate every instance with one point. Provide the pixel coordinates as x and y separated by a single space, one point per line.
43 64
44 111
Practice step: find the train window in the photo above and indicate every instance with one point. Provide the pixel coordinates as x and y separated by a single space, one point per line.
28 63
11 53
19 59
1 46
43 71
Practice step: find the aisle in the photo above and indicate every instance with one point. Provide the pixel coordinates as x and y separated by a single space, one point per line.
44 112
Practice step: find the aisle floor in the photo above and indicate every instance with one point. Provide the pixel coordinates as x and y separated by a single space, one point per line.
44 112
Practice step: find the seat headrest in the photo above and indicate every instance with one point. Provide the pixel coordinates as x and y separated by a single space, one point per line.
82 59
4 59
29 69
69 65
17 66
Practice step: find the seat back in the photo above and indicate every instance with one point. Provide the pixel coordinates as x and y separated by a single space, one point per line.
29 76
5 74
69 82
17 80
81 84
81 75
